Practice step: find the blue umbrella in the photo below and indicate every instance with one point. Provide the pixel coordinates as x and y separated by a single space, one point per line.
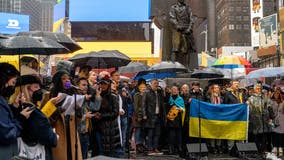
147 75
267 72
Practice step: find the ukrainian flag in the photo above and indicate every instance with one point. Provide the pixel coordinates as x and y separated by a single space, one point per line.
223 121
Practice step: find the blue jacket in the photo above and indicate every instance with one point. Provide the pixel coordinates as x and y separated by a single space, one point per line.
10 129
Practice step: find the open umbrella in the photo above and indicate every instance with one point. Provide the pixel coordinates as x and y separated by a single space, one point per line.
56 36
207 73
101 59
148 75
267 72
168 66
231 61
133 67
164 69
17 45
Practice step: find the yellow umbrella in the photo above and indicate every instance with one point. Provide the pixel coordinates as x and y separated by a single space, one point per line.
14 60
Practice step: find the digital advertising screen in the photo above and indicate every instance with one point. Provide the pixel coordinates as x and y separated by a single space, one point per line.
109 10
14 23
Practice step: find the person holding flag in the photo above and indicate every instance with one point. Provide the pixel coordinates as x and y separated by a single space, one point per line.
175 119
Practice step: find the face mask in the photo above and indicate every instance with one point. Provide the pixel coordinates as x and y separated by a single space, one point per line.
8 91
37 95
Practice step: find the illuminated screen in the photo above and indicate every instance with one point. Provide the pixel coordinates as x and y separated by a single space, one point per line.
14 23
109 10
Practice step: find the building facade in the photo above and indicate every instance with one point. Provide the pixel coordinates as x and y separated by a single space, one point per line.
40 12
233 21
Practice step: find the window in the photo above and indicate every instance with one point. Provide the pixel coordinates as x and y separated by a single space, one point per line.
239 18
245 9
238 26
246 18
246 27
231 27
238 9
231 18
231 9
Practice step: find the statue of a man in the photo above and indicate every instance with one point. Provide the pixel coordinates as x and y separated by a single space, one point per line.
181 19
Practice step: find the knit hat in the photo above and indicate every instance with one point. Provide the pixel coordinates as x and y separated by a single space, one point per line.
27 79
57 76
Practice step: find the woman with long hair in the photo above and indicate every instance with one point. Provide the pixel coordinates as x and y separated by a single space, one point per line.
10 122
37 131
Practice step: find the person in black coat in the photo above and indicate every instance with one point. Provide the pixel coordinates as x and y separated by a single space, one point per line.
37 129
233 96
10 122
108 120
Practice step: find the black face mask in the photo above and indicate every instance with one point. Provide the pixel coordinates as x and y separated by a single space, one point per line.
37 96
8 91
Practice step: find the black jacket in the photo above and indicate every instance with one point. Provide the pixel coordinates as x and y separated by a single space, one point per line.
150 107
108 124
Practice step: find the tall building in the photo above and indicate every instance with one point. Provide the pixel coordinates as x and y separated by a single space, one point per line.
40 12
10 6
233 21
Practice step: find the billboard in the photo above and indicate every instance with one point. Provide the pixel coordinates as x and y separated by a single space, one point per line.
109 10
256 13
268 36
268 31
14 23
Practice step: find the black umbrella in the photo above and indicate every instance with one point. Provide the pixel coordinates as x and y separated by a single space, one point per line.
207 73
168 66
101 59
29 45
133 67
58 37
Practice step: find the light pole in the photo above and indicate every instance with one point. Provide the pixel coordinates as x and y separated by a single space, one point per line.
206 36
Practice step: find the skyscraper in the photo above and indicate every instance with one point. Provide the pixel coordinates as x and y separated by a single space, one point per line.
40 12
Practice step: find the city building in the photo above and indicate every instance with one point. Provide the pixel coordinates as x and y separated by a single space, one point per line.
39 11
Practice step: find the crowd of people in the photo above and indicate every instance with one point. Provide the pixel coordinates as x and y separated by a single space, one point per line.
89 114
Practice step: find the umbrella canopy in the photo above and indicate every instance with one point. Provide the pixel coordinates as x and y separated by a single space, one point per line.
168 66
101 59
207 73
27 45
148 75
56 36
231 61
133 67
267 72
264 86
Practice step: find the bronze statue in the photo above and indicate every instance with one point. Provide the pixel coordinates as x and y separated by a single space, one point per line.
181 20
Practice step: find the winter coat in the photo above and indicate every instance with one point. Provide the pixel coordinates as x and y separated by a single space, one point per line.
65 128
150 107
139 110
278 110
38 130
108 124
230 98
10 129
260 111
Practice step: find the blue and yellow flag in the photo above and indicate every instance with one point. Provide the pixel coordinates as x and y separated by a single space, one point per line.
222 121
